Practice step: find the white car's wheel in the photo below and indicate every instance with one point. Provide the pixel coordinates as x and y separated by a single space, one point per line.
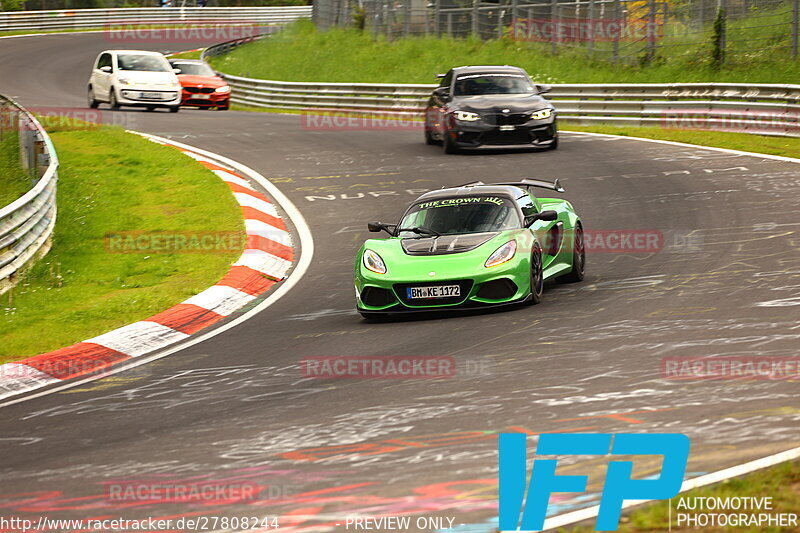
93 103
112 99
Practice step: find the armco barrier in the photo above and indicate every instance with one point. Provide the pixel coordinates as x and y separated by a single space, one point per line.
27 223
754 108
87 19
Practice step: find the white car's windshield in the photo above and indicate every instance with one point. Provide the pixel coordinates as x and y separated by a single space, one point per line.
459 215
144 63
480 84
195 69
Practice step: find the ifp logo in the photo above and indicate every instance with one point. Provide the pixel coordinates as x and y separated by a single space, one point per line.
619 485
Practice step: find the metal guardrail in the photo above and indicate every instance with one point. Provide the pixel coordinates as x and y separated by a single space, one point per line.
27 223
121 17
753 108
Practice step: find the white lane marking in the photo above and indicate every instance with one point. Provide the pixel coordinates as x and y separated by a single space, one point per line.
221 299
687 145
306 253
139 338
701 481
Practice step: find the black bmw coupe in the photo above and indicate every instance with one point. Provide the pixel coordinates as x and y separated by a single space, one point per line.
489 107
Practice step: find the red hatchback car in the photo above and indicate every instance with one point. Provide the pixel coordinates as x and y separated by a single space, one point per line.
201 86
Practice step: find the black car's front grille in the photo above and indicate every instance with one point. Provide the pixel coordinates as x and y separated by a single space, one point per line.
498 138
503 119
203 90
401 289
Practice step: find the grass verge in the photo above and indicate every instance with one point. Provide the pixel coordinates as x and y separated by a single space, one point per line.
112 182
300 53
781 483
14 180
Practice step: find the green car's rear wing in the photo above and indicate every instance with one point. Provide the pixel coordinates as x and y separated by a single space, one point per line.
555 186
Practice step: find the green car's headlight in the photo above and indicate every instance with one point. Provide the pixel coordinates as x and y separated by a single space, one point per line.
542 114
372 261
502 254
466 116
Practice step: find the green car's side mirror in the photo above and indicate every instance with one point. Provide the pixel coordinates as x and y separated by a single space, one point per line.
375 226
548 215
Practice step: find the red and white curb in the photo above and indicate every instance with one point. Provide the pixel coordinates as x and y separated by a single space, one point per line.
266 260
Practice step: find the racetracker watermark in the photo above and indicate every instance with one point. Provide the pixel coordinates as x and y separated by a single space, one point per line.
354 120
206 492
731 368
732 120
377 367
570 30
178 31
80 118
165 242
65 364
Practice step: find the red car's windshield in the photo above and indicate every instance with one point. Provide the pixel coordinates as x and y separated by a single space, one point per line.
194 69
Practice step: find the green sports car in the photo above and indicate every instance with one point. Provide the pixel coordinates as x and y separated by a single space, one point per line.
476 245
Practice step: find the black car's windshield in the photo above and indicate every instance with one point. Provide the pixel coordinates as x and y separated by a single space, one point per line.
145 63
460 215
481 84
195 69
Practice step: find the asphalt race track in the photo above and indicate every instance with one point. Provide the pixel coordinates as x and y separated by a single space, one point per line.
236 409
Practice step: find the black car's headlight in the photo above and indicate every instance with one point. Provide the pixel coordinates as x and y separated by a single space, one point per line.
542 114
466 116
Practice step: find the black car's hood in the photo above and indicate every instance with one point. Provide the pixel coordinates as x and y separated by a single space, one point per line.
446 244
515 103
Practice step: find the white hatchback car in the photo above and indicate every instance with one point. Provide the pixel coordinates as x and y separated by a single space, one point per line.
134 78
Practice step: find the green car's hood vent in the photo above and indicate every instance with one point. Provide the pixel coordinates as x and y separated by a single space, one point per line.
446 244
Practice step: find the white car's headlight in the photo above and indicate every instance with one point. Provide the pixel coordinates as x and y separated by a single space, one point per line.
372 261
502 254
466 116
124 81
224 89
542 114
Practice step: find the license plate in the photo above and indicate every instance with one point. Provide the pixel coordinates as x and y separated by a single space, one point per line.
438 291
152 96
506 128
202 96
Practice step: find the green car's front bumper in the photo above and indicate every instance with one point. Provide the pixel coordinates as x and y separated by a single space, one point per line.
480 286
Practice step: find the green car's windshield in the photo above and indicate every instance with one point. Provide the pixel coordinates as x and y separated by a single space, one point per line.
460 215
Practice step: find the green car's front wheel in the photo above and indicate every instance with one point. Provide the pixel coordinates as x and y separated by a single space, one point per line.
537 277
